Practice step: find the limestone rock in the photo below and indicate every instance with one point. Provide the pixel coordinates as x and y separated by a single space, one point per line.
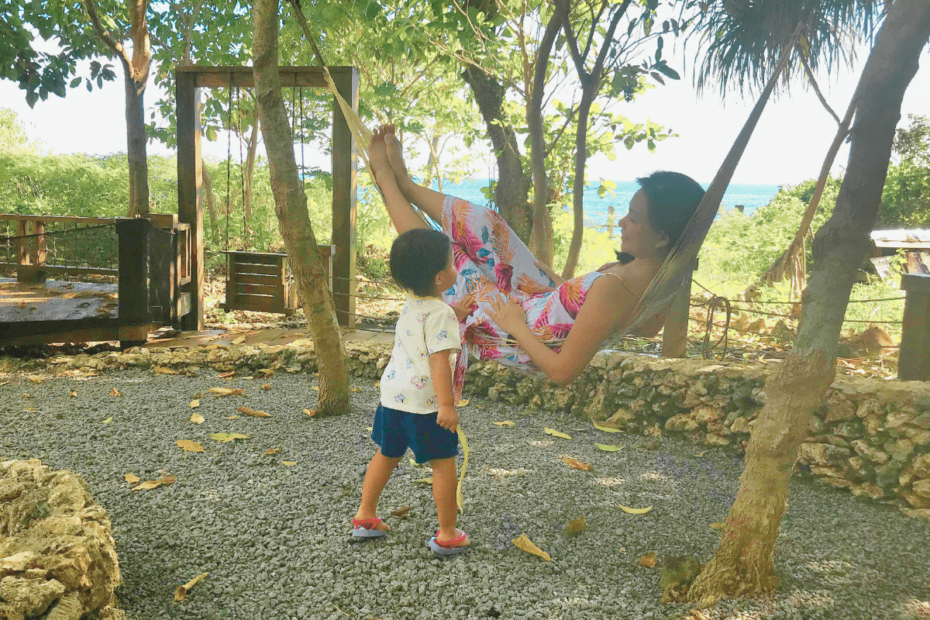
681 422
741 425
869 453
869 490
922 488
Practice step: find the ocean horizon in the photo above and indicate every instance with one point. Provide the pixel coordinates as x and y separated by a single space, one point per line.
749 196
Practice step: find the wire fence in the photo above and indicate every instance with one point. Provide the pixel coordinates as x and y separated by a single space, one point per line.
68 247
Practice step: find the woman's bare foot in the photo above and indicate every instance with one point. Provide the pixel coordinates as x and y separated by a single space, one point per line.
395 155
378 156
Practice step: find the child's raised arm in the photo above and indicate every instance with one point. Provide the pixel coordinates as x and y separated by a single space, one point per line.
441 373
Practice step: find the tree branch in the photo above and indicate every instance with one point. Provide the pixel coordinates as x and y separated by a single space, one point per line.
103 34
823 101
577 58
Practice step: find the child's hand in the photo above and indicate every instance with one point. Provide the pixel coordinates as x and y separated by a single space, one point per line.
464 307
448 418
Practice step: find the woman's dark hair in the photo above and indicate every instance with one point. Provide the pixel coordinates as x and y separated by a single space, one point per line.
417 256
671 198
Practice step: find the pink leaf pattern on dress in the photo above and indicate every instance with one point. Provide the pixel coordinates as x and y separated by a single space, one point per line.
504 274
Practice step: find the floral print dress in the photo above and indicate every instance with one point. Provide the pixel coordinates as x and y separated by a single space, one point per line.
490 258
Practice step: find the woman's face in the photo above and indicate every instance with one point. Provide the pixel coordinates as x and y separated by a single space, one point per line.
638 237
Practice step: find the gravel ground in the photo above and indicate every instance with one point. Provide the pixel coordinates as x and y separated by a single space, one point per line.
275 538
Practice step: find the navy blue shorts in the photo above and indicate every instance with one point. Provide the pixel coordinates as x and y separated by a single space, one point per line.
395 431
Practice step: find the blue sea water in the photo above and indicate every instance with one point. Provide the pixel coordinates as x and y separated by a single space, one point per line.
595 207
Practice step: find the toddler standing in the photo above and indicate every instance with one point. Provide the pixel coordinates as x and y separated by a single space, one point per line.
417 409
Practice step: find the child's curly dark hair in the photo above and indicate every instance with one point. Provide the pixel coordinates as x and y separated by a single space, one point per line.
417 256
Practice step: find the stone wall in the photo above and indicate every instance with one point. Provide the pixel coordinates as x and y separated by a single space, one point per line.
872 436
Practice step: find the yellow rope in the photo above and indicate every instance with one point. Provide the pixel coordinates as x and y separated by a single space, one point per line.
357 128
459 500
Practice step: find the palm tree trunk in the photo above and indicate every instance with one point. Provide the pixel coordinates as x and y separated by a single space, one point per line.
788 264
744 562
293 218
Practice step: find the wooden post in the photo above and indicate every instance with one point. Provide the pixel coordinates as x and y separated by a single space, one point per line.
190 211
610 222
675 332
914 360
133 272
345 167
41 250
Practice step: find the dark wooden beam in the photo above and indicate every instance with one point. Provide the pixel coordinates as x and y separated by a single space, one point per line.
190 210
242 77
345 169
914 360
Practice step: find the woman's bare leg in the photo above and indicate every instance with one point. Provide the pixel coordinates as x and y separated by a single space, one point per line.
402 214
423 197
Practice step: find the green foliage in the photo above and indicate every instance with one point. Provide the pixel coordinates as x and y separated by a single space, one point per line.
12 134
906 196
596 247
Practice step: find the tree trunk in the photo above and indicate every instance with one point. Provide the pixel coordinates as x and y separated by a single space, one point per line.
788 264
541 243
247 175
744 561
581 160
293 218
136 142
513 185
208 197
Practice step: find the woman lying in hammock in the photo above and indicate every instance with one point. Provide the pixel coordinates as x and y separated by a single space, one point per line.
512 308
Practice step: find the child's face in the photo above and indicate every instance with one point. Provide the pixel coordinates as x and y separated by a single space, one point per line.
447 277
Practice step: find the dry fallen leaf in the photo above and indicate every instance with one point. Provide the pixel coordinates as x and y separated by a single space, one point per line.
576 526
463 403
606 429
698 614
253 412
355 390
221 392
402 512
266 386
153 484
719 526
189 446
196 418
227 437
271 451
226 375
555 433
131 478
26 395
506 423
108 420
635 511
37 380
182 591
315 388
30 409
648 560
525 544
114 392
377 384
239 340
266 371
424 481
607 447
72 394
232 417
288 463
310 412
195 403
576 464
161 370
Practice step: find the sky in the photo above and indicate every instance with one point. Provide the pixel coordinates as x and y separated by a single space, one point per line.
787 147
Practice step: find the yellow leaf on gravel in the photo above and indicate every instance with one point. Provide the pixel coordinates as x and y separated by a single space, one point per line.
72 394
271 451
196 418
719 526
131 478
114 392
252 412
369 428
30 409
266 371
315 388
232 417
576 527
195 403
648 560
266 386
635 511
355 389
608 448
189 446
288 463
555 433
26 395
424 481
108 420
463 403
161 370
221 392
525 544
310 412
606 429
153 484
576 464
506 423
227 437
182 591
37 380
226 375
239 340
377 384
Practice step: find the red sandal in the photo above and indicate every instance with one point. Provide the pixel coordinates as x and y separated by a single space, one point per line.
367 528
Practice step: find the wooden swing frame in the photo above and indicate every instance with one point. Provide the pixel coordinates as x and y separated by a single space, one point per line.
188 82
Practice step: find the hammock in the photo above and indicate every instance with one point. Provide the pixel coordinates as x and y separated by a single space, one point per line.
670 277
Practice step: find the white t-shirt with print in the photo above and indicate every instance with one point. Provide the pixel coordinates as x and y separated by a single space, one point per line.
425 326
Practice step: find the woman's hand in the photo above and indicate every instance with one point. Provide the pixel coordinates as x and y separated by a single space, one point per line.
464 307
556 278
507 314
